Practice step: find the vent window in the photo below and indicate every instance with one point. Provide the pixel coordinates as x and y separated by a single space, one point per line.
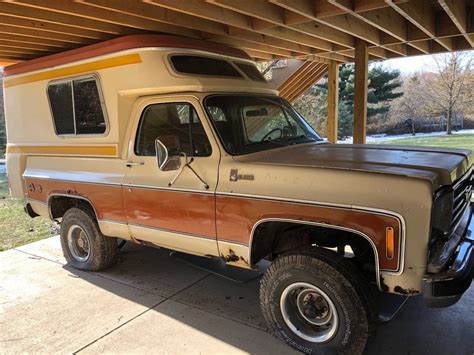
77 107
197 65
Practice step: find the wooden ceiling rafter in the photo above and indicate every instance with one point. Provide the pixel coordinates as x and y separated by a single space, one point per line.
267 29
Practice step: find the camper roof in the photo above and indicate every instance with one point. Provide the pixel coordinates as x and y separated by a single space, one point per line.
121 44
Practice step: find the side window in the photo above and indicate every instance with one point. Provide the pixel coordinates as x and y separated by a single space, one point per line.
177 122
77 107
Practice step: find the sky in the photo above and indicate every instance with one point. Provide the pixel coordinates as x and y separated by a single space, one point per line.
410 65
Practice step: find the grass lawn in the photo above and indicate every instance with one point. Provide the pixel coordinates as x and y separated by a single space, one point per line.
465 141
16 227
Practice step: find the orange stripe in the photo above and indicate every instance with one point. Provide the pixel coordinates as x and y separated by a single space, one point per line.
108 150
75 69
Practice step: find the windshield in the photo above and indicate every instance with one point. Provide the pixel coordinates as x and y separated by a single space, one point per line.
251 123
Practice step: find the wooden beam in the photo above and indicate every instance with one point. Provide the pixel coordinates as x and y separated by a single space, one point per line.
399 48
445 27
369 5
308 83
259 38
421 14
9 56
457 12
17 9
333 100
259 55
263 10
19 38
304 71
345 22
292 18
85 12
315 8
422 46
21 51
32 23
239 24
325 32
385 19
215 31
258 47
360 92
26 45
42 34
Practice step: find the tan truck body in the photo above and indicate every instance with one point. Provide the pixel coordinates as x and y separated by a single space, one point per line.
361 189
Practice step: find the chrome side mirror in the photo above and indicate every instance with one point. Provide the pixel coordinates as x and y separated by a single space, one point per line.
168 153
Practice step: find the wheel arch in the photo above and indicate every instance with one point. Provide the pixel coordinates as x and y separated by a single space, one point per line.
59 203
253 247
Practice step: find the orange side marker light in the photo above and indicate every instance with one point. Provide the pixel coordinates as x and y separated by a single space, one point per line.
389 242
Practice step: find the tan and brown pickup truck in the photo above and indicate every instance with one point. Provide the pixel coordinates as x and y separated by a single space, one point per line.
181 144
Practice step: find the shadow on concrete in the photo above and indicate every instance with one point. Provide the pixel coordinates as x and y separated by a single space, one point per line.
416 329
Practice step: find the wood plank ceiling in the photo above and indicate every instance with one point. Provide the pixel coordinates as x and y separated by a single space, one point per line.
317 30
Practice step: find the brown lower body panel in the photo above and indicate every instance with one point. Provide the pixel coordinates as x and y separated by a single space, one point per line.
231 218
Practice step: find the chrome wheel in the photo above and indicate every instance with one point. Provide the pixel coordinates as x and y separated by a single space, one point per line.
309 312
78 243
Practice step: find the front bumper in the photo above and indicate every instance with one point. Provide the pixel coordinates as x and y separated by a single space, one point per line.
446 288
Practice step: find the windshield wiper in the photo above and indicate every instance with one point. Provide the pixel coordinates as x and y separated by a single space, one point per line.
307 139
268 141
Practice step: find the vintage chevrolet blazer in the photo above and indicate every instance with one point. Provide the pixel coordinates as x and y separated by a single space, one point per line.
182 144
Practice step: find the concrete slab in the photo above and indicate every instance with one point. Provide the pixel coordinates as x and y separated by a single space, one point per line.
152 270
421 330
153 301
175 328
45 307
228 299
49 248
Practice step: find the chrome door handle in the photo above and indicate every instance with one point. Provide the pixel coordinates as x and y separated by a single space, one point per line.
129 164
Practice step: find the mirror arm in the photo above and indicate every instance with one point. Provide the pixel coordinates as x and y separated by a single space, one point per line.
206 186
188 164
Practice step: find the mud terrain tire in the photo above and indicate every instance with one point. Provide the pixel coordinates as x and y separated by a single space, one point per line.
336 284
84 246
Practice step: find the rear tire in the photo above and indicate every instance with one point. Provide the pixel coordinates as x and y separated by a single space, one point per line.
84 246
317 302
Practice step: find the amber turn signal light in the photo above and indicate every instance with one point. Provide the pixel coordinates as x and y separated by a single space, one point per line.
389 242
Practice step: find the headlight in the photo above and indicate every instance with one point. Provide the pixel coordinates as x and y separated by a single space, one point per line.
442 214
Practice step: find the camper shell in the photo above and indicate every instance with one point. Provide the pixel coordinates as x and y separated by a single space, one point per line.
182 144
124 69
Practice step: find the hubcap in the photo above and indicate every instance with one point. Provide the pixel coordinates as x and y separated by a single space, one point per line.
309 312
78 243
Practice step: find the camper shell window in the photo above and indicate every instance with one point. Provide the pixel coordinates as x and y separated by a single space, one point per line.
251 71
77 107
206 66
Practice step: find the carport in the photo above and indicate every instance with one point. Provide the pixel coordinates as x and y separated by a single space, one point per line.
313 36
151 300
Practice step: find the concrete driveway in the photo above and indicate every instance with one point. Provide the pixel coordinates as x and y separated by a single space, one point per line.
151 302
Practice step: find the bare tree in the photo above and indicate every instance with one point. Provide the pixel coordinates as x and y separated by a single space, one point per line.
446 88
409 104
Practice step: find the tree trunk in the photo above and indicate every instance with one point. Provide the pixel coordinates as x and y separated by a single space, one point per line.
448 121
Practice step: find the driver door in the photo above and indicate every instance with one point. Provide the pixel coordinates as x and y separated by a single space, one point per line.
175 208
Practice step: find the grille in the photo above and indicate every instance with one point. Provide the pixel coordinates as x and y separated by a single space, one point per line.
462 193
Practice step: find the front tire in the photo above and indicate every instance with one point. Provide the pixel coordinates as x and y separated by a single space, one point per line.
317 302
84 246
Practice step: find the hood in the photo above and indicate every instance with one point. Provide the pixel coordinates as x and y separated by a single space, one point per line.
441 166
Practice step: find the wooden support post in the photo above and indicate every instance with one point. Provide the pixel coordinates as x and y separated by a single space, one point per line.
333 98
360 91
